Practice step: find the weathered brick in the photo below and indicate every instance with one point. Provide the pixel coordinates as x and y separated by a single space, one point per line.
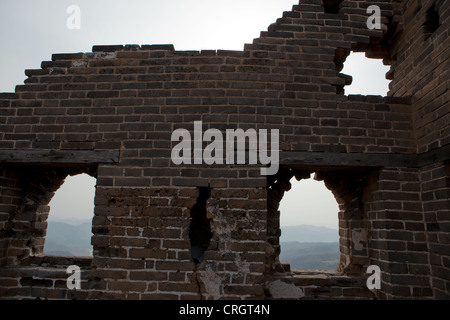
131 98
127 286
174 265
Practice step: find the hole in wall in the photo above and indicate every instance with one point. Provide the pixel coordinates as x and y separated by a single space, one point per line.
200 227
432 22
309 226
362 75
332 6
69 229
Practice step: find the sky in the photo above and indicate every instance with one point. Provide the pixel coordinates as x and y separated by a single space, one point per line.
31 31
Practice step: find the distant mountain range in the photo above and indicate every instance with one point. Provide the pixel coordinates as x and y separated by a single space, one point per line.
310 247
68 239
307 233
310 256
304 247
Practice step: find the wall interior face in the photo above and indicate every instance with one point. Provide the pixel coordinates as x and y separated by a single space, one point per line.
111 113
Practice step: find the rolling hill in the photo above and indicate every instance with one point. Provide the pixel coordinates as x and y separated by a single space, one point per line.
310 247
65 239
310 256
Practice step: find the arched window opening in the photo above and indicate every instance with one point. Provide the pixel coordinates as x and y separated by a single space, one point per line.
309 226
362 75
69 228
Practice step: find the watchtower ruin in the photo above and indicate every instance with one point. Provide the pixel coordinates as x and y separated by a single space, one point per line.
111 114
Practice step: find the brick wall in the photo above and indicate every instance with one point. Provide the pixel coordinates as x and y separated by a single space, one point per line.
111 113
114 107
436 207
398 244
10 196
421 71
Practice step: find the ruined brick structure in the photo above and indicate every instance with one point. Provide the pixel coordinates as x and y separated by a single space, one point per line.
111 113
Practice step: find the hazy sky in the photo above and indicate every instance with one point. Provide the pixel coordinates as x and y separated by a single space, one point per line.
30 31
